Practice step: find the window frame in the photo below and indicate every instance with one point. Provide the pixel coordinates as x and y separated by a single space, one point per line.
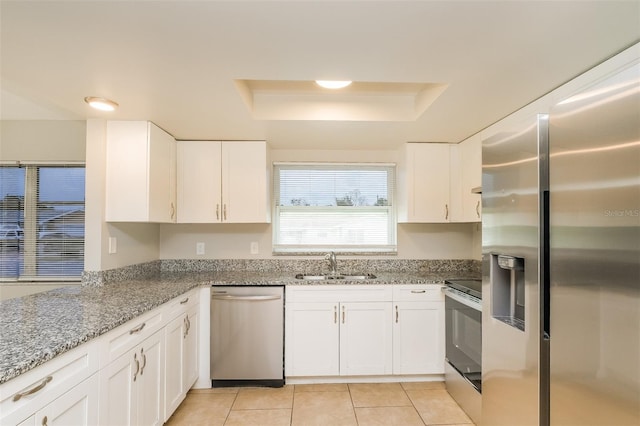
351 249
30 222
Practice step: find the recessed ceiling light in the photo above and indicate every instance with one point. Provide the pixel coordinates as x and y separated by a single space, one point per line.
333 84
101 103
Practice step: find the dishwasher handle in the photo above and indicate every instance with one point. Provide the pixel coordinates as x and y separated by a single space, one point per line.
249 298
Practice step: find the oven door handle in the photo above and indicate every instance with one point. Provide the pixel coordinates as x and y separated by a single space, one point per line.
470 303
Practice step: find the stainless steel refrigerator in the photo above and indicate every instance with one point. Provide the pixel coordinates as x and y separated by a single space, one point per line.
561 262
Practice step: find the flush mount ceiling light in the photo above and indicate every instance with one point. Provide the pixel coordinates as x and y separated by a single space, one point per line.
101 103
333 84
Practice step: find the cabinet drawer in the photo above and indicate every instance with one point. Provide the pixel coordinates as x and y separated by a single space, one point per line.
26 394
181 304
120 340
340 293
418 293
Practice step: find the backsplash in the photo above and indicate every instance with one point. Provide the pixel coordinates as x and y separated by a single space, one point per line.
150 269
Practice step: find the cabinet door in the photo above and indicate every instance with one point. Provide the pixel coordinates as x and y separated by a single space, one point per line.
118 382
312 339
365 338
418 338
190 360
78 406
471 171
174 349
199 182
161 175
427 183
150 388
245 191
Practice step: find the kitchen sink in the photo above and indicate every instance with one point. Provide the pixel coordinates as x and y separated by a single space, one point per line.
321 277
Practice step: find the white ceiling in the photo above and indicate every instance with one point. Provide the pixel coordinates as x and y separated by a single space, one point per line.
176 62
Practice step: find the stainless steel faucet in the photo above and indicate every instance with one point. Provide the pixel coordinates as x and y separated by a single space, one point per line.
333 262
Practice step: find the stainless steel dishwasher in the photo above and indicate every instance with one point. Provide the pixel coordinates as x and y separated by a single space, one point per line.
247 336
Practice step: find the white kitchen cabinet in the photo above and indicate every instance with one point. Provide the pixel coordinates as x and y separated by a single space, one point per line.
424 183
181 352
312 339
78 406
223 182
61 389
140 173
418 330
338 330
132 386
470 151
365 338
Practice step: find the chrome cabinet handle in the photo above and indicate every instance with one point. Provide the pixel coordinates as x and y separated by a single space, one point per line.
188 324
173 211
396 314
31 391
144 361
135 359
224 211
138 328
182 302
335 314
418 291
343 315
478 209
217 211
186 330
446 209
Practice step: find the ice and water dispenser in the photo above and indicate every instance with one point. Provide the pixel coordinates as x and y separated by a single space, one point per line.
507 289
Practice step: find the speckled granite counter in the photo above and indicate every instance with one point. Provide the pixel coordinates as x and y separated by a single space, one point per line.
38 327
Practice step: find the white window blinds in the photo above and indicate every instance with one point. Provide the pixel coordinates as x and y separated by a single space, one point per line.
46 205
347 207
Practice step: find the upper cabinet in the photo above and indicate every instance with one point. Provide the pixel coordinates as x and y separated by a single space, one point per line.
423 183
223 182
469 172
435 182
140 175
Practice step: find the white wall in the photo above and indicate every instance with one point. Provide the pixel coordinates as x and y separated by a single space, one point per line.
42 140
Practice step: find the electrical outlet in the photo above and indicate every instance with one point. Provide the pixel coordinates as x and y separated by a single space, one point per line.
255 248
113 245
199 248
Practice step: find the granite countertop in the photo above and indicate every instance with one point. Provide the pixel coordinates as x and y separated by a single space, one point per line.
38 327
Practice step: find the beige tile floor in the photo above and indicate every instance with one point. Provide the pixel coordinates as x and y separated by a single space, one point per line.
388 404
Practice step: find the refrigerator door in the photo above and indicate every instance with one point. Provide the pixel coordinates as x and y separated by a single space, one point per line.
595 254
510 234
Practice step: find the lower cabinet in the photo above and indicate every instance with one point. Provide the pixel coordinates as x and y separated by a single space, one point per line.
418 338
364 330
132 386
181 358
78 406
341 337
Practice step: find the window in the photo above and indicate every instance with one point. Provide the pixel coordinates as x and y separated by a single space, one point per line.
342 207
41 222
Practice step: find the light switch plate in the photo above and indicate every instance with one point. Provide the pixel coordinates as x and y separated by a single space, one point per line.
255 249
199 248
113 245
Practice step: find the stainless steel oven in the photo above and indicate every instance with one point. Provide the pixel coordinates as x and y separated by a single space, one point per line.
463 342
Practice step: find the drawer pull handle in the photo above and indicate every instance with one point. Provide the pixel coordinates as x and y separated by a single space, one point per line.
446 209
45 421
182 302
478 209
418 291
335 314
396 314
46 380
138 328
343 314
